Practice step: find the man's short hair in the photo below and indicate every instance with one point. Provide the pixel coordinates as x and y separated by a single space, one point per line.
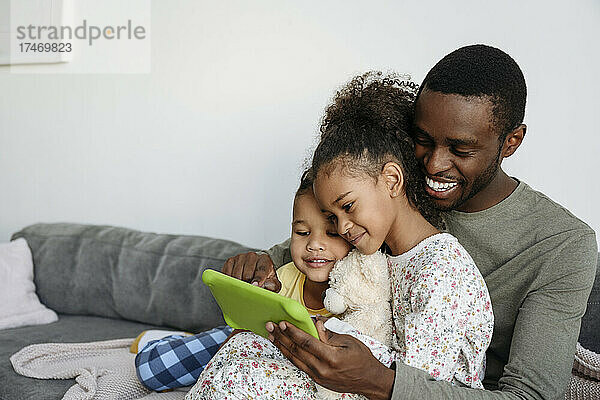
483 71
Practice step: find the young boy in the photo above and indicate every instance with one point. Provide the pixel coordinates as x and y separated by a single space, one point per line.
177 360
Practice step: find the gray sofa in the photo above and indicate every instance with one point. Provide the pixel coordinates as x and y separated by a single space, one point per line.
107 282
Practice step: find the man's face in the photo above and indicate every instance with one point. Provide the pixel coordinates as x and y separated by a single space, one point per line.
458 148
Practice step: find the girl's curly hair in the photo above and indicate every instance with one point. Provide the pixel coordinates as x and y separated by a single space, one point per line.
368 125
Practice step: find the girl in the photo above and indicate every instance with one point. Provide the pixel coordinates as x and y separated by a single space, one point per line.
369 185
315 247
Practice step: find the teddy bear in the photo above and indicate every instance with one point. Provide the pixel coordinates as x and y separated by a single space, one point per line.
359 294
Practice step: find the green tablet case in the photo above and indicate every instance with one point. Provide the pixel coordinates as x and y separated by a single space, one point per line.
250 307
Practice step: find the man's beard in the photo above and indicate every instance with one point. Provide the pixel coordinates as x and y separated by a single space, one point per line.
480 182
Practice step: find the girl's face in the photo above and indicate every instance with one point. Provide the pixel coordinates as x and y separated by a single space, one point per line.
360 207
315 244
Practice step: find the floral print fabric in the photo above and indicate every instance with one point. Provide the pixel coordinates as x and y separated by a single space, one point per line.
442 311
250 367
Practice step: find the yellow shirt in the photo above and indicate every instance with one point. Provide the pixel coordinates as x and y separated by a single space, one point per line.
292 286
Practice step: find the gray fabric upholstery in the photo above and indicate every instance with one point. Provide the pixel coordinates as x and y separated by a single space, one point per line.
589 336
121 273
69 328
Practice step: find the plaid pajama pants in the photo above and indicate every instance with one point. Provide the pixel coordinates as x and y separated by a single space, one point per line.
177 361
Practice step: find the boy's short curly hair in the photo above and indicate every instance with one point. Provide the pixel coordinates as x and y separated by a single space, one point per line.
306 182
368 125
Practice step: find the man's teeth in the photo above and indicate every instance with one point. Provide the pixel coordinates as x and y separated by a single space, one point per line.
318 261
439 186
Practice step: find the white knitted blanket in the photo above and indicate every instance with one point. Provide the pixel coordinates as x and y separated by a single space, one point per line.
102 370
585 379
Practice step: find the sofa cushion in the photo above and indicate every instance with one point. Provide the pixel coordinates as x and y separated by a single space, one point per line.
19 304
122 273
68 329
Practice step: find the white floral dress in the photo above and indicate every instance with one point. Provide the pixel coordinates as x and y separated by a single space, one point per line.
442 311
443 324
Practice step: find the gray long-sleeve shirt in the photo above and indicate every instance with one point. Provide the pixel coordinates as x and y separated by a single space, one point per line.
539 263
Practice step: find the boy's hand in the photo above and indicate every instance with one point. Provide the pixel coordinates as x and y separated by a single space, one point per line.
254 268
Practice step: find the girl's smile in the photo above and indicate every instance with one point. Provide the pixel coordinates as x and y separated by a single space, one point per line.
315 262
354 240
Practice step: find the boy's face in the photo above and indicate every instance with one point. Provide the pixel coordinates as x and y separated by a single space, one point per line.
458 148
315 244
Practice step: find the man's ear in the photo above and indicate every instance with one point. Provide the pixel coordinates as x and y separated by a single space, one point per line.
393 178
513 140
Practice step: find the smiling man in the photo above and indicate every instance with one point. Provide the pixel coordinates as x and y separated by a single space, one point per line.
461 151
538 260
469 116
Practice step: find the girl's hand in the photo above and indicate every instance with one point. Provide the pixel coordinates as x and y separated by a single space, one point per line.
318 318
322 319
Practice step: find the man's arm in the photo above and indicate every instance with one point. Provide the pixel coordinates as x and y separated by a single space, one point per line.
280 254
344 364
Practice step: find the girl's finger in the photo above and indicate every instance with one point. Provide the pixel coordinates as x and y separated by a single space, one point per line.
322 331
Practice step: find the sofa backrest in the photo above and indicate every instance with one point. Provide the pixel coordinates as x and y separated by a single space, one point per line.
155 278
589 336
122 273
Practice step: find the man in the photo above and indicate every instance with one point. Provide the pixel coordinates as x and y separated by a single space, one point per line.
538 260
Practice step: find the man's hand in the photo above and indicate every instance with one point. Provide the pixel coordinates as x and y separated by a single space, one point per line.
338 362
254 268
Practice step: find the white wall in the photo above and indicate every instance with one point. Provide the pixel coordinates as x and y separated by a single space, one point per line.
211 141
